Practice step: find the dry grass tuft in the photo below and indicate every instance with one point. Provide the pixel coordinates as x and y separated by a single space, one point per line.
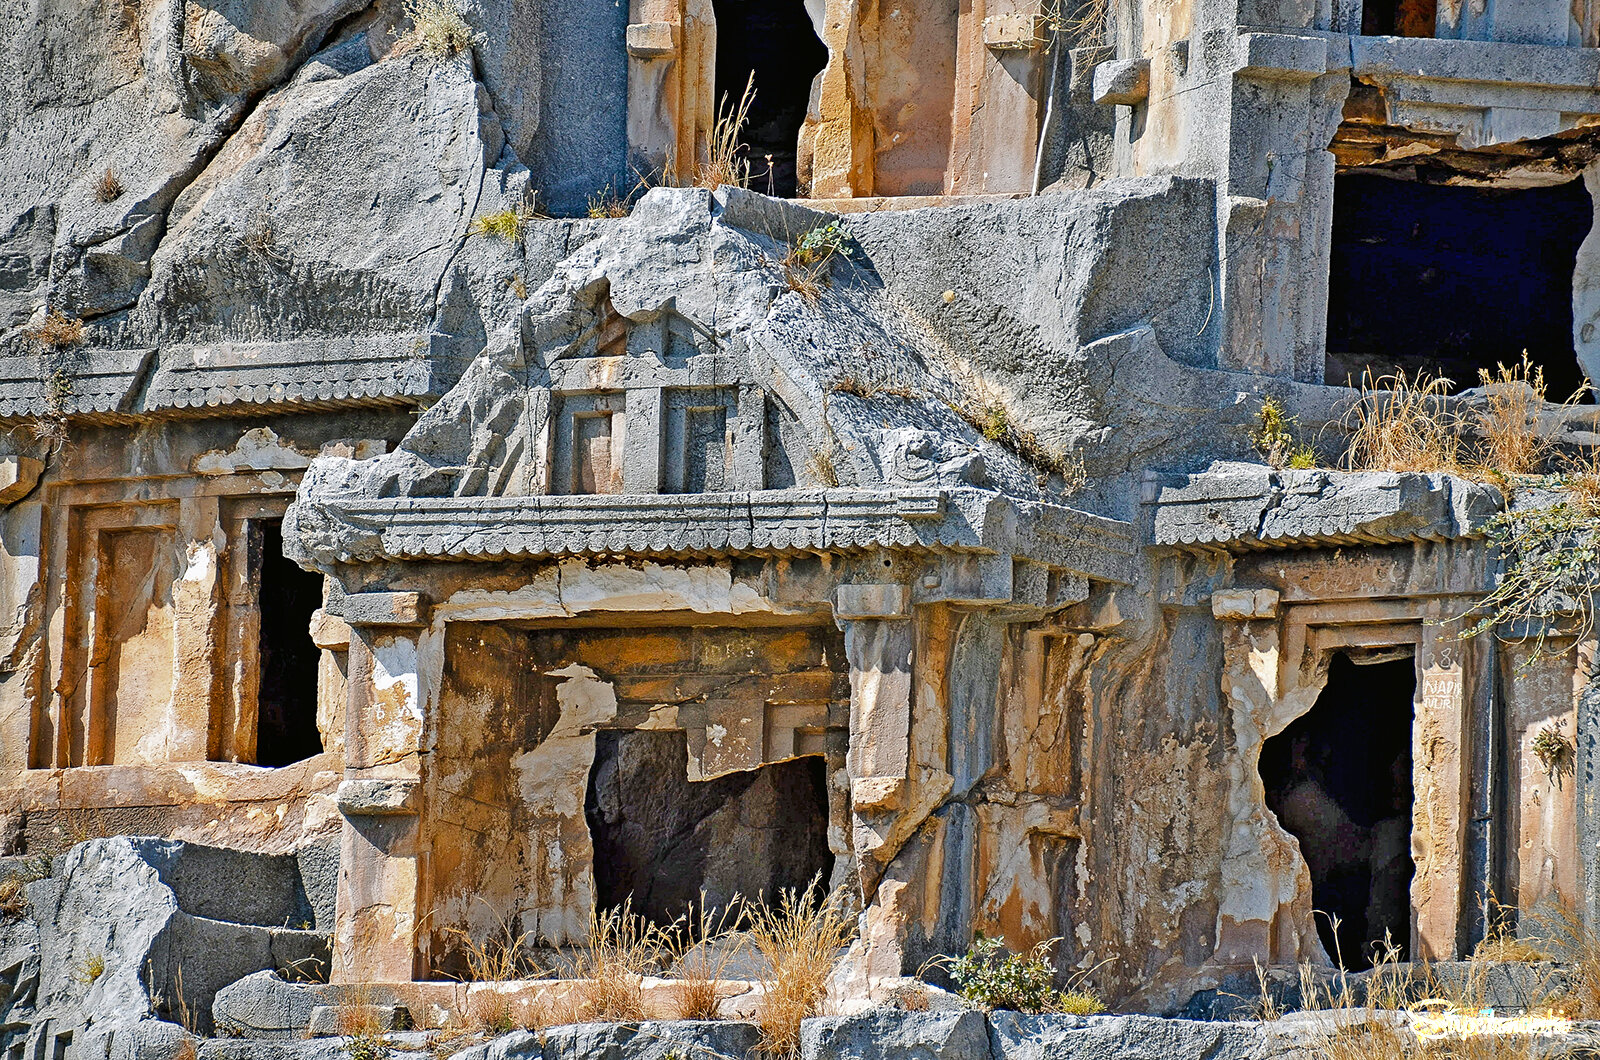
109 187
606 204
1403 424
726 163
56 331
621 950
438 29
1509 424
13 897
701 949
502 224
991 417
799 941
867 389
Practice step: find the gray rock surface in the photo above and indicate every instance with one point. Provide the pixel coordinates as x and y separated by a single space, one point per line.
118 936
651 1040
265 1006
1251 503
889 1034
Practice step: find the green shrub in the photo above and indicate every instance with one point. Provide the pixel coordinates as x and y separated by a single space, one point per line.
1022 982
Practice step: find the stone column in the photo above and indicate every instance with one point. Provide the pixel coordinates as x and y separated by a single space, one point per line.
672 63
836 141
999 98
1264 901
375 930
1441 747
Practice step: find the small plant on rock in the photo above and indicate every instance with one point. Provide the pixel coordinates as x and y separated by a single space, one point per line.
1022 982
1277 438
502 224
805 266
438 29
1555 751
57 331
109 187
90 969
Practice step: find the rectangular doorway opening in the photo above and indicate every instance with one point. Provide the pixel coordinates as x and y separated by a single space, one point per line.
287 659
662 840
772 41
1450 279
1339 780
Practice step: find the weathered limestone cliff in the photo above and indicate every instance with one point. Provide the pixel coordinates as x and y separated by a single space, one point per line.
385 482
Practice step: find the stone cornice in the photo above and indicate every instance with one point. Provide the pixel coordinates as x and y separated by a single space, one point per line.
761 522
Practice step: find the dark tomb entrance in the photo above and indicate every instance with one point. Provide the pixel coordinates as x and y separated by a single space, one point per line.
660 838
775 41
1339 780
1450 280
286 698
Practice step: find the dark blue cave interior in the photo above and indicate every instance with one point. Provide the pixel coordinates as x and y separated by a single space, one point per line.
774 40
1453 279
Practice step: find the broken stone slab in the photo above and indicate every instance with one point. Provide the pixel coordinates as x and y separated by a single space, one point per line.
377 797
890 1034
518 1045
265 1006
1254 505
651 1040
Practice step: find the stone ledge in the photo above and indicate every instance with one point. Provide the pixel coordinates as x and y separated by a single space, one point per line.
1249 506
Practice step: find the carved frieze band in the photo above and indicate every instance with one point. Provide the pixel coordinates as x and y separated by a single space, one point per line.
763 521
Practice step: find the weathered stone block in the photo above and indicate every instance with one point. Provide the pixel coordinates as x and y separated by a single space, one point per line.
385 609
264 1006
652 40
1125 82
649 1040
890 1034
378 796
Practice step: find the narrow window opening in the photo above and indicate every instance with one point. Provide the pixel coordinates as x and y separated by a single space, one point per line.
1398 18
661 840
1450 280
286 698
1339 779
775 41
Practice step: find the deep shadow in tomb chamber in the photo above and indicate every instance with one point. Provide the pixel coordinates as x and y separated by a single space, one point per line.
1339 780
1445 279
286 699
660 838
775 40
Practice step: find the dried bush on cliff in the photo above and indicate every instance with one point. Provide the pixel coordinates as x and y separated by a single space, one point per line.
438 29
725 163
56 331
1402 423
1513 444
799 941
701 949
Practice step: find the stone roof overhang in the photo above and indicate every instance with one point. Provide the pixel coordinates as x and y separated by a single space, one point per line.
218 378
766 521
1248 506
